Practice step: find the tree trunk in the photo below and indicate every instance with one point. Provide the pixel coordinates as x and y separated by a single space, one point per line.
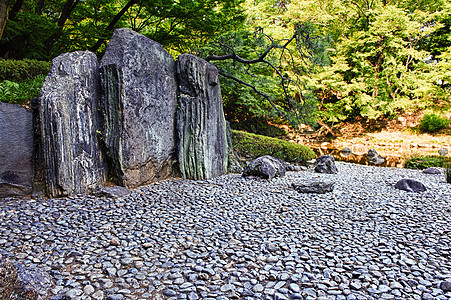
112 24
4 4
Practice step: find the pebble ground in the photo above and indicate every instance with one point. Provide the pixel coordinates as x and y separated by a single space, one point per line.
236 238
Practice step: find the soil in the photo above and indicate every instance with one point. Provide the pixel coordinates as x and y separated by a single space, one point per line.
396 139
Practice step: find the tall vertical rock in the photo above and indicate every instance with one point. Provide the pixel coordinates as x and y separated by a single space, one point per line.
16 150
138 103
201 126
73 161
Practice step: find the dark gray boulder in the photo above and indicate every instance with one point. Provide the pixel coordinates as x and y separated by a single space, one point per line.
345 152
16 150
138 107
73 161
443 151
374 157
371 153
266 167
325 164
377 160
434 171
410 185
316 187
201 126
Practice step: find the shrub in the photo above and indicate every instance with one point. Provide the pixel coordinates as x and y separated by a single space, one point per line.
253 145
432 123
19 70
20 92
424 162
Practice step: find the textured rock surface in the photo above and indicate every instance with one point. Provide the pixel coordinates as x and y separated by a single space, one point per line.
266 167
138 104
317 187
377 160
410 185
73 161
443 152
32 283
28 283
325 164
371 153
112 192
234 165
201 126
16 150
8 278
345 152
434 171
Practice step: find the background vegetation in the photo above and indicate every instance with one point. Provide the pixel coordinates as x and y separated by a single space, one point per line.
296 61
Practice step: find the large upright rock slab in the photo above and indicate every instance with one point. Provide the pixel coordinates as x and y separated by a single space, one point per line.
73 161
201 126
16 150
138 105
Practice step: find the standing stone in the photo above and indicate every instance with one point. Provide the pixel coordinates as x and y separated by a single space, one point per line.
138 106
201 126
73 162
16 150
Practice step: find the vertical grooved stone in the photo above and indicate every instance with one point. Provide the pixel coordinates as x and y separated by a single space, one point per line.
201 126
73 161
139 98
16 150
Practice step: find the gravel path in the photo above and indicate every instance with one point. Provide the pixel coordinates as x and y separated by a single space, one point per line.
235 238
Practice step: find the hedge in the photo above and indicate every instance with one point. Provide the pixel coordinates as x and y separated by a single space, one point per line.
253 145
20 70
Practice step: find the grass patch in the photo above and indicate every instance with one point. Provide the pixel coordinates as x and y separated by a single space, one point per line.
253 145
20 92
424 162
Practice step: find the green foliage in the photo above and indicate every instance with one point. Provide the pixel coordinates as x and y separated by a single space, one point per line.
18 70
432 123
20 92
252 145
424 162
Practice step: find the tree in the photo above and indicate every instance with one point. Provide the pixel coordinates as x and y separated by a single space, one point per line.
78 25
267 68
4 7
